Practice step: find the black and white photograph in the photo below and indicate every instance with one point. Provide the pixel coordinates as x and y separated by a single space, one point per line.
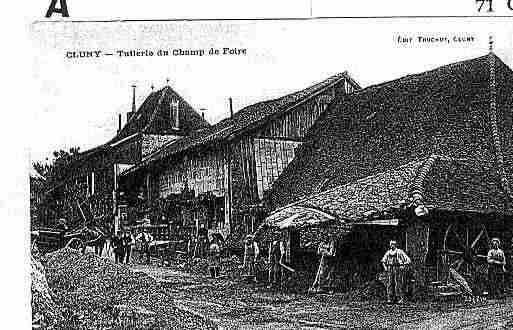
323 173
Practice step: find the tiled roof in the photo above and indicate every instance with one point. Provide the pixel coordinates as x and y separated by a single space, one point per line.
443 111
351 202
444 184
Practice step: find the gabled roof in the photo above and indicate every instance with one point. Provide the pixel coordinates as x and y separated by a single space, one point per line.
153 117
444 111
246 119
437 182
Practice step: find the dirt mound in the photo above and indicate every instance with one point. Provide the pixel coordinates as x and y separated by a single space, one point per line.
92 290
372 290
44 310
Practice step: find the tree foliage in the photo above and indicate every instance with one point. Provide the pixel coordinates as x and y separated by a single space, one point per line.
56 169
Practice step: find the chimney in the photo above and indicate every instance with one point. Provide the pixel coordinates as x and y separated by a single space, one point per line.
133 99
203 113
231 107
119 122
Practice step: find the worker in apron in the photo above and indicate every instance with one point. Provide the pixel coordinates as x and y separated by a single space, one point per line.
394 262
327 251
496 268
251 252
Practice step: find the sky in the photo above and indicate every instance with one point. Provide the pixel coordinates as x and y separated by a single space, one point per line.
77 101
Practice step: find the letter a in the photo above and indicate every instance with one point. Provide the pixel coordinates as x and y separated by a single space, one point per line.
52 9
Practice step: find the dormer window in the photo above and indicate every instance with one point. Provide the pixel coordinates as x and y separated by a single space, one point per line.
174 113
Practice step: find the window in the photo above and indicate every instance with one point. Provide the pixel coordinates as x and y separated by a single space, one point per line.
90 183
174 113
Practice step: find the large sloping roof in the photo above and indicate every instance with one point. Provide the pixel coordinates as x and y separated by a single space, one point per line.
443 183
245 119
445 111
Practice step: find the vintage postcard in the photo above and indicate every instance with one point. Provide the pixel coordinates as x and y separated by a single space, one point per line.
311 167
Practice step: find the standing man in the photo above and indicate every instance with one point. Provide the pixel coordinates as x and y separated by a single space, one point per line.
214 253
251 252
202 244
128 242
276 256
63 229
118 247
145 238
496 268
394 262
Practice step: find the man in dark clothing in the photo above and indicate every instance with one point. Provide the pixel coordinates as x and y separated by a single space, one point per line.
128 242
63 229
276 256
119 250
202 243
145 238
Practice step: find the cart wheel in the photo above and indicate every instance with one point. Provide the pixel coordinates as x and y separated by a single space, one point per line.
465 248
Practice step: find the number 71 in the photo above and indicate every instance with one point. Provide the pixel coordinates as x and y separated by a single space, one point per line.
482 3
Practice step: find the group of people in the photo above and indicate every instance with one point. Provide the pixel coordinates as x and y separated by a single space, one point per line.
209 249
123 243
275 261
395 261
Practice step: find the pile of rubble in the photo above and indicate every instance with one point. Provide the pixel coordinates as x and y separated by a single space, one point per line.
45 312
96 293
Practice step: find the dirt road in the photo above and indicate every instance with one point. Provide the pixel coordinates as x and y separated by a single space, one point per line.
234 305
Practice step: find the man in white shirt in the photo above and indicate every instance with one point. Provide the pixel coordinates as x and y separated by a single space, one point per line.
496 269
251 252
394 262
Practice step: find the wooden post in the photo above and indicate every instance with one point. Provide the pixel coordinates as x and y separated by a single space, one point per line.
417 247
114 199
227 190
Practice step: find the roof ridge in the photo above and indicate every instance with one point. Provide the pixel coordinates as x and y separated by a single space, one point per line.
417 188
416 194
156 109
310 196
315 86
496 138
412 76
